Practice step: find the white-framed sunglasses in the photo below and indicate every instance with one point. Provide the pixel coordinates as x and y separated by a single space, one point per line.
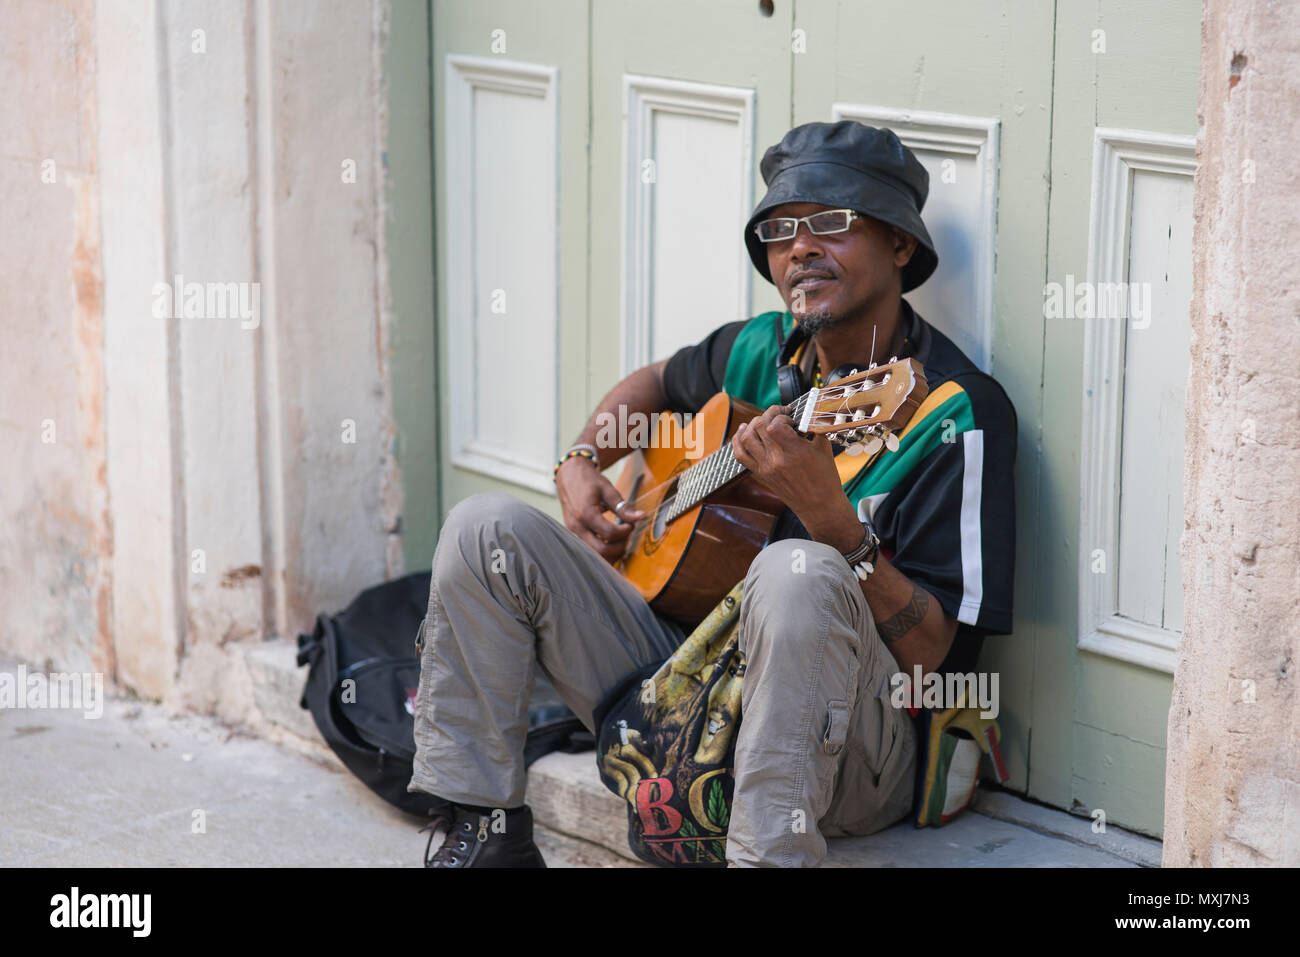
820 224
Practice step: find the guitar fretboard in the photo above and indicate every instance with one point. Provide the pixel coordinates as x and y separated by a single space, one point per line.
703 479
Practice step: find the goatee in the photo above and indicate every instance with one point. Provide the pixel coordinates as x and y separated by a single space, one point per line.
815 321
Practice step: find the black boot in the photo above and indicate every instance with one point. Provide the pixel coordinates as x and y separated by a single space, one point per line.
472 841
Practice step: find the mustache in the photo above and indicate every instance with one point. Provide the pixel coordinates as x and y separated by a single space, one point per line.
808 272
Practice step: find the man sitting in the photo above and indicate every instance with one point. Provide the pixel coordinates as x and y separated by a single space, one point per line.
840 235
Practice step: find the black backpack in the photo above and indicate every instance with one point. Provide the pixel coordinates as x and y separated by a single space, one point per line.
370 724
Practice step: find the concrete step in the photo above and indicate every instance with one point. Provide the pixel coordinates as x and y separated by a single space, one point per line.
277 684
564 850
1000 830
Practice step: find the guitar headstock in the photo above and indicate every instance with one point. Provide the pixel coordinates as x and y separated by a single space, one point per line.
867 407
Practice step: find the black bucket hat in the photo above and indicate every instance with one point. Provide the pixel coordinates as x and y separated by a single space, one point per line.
852 166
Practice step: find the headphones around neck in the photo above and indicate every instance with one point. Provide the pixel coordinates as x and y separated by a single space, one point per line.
790 377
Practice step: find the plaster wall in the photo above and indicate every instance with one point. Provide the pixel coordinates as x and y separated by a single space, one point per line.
214 479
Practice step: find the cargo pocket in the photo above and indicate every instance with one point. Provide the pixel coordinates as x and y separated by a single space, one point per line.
837 726
834 739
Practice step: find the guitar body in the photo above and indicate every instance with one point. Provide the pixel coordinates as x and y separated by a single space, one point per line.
684 567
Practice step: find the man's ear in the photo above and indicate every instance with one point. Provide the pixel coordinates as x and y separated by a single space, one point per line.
904 246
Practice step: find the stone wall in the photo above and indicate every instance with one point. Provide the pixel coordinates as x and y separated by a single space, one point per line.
1233 773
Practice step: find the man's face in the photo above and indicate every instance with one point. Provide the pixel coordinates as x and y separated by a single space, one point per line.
826 278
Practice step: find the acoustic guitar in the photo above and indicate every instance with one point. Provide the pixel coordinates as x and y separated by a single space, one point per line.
708 516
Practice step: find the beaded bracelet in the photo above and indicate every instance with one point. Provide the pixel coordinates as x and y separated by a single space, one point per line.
570 454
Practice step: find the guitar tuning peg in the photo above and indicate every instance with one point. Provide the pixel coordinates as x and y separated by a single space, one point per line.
872 445
893 359
891 441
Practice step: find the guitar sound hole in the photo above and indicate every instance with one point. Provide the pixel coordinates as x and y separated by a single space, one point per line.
660 524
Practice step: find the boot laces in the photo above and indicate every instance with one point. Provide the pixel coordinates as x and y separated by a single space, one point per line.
453 842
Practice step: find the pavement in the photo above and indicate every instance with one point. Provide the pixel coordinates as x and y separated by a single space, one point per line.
141 786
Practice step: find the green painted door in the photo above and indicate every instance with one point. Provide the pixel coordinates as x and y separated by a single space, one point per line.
1107 600
511 100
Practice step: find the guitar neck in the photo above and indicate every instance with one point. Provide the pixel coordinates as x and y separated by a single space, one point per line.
704 478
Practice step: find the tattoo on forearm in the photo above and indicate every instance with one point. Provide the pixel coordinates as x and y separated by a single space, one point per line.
911 615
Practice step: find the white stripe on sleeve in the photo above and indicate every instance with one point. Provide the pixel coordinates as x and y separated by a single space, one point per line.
972 546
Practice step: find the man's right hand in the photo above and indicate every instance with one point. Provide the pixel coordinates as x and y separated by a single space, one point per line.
585 495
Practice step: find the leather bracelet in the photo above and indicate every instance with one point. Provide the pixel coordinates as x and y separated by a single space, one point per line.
869 545
859 553
863 558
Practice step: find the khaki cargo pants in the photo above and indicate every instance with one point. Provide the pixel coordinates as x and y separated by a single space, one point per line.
820 752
